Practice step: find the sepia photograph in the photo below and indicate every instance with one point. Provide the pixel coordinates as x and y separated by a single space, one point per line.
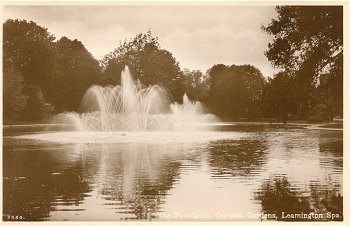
177 111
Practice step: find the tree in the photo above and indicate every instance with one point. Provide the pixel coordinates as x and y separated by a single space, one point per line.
75 71
278 100
147 62
28 48
13 97
196 84
214 73
328 94
235 90
306 36
28 53
308 42
54 73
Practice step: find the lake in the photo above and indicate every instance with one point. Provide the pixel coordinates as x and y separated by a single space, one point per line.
231 173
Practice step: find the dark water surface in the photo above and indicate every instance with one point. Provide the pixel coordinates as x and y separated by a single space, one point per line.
263 173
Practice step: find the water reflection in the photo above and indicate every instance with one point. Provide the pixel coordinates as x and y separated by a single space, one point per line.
56 181
240 158
138 179
34 180
331 150
267 170
287 203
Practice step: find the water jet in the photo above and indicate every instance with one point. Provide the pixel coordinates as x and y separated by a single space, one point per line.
133 107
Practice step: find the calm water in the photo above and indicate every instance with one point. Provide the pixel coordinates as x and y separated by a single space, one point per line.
237 173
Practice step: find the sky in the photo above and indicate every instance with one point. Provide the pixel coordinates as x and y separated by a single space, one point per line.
199 36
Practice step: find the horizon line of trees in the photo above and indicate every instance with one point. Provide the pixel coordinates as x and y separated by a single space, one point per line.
42 76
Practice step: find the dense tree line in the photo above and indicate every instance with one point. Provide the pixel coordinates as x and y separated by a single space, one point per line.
42 76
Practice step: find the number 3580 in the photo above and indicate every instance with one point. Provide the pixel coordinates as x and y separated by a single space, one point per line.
15 217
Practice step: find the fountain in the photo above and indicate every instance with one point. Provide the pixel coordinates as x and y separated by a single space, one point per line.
133 107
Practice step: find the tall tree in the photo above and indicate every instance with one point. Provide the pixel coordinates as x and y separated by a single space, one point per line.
29 50
306 36
308 42
148 63
329 93
75 71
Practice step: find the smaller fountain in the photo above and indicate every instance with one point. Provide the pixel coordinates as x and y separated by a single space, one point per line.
191 115
132 107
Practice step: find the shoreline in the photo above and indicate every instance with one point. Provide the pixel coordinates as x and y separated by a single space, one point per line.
333 126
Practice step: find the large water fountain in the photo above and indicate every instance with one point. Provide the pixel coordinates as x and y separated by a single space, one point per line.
133 107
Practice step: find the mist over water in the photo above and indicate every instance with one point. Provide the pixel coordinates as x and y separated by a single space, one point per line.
133 107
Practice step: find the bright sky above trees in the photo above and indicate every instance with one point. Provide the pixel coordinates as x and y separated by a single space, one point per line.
198 36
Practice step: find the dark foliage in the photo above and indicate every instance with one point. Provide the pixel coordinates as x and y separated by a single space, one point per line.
235 90
308 44
148 63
